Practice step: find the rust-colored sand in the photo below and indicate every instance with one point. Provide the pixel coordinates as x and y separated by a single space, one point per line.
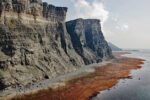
83 88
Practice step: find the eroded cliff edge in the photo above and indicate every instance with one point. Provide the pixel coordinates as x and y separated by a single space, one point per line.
37 44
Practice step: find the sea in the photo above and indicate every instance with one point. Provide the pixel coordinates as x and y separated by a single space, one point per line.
137 88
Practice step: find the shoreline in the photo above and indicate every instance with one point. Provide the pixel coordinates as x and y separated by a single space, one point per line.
86 86
55 83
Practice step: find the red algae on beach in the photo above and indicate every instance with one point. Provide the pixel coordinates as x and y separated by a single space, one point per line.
85 87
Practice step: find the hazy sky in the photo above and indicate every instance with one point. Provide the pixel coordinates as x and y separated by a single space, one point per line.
126 23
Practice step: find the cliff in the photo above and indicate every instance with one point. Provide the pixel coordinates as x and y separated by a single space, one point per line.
36 43
88 40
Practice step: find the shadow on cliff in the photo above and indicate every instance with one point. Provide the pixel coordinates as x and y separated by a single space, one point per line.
2 86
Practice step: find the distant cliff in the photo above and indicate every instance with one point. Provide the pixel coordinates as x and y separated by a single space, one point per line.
114 47
37 44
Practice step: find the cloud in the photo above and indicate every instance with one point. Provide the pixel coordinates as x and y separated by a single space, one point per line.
122 27
94 9
125 26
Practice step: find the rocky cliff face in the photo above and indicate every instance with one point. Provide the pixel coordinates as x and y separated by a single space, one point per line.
35 44
88 40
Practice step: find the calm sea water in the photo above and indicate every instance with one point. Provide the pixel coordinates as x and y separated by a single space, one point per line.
137 88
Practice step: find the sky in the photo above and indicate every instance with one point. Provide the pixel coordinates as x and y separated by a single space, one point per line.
125 23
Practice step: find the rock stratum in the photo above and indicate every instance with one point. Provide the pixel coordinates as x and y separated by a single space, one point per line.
36 43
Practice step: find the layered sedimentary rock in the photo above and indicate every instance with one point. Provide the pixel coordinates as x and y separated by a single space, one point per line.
36 8
35 44
88 40
35 50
